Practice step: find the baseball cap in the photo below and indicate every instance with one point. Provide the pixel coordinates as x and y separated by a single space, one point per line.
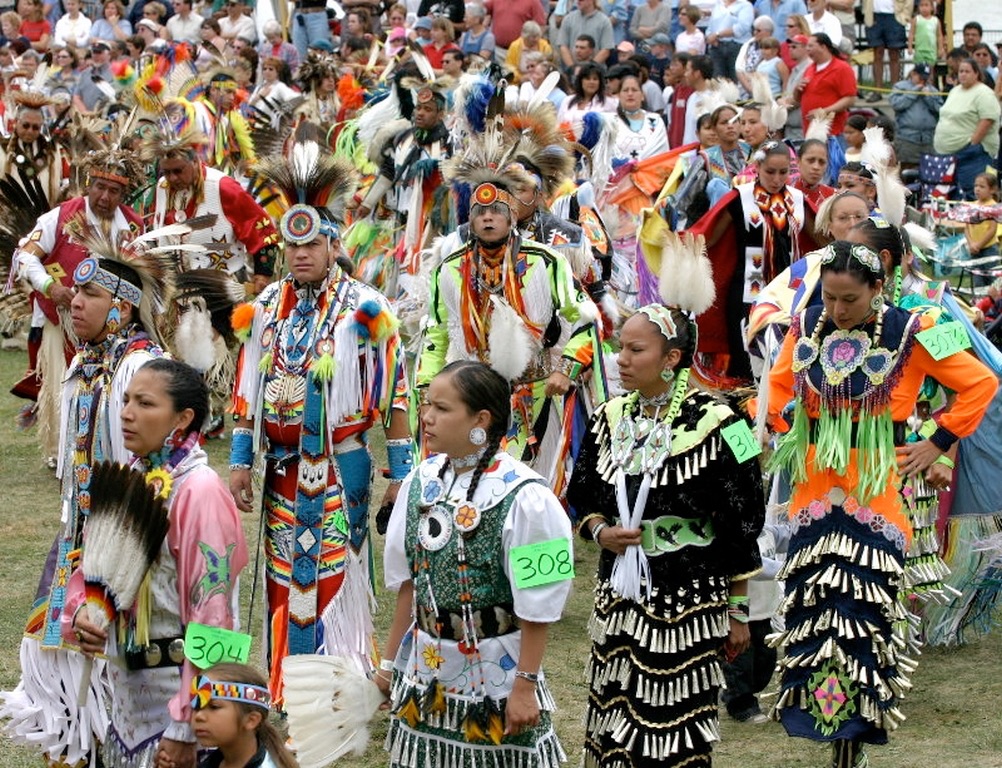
659 39
921 69
626 47
799 40
423 23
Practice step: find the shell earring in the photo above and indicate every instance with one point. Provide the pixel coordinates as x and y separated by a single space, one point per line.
876 302
478 436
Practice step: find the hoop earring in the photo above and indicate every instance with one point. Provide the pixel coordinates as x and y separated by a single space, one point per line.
478 436
667 375
876 303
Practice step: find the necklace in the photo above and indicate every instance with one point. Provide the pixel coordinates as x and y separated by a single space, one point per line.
469 460
641 443
656 401
843 352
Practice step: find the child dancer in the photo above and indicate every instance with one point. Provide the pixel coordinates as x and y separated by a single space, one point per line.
229 711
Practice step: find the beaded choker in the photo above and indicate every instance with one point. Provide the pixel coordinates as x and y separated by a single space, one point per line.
470 460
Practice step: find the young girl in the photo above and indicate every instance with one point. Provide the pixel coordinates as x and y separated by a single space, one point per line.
772 66
229 711
925 36
983 237
854 138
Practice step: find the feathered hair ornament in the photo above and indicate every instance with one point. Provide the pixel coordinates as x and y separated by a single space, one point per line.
685 279
113 161
315 67
315 183
773 115
537 143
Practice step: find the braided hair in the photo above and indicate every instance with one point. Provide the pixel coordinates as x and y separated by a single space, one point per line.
481 388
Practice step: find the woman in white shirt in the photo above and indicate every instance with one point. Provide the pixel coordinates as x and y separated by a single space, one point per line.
820 19
588 96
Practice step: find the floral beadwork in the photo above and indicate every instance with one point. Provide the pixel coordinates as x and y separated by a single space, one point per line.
832 698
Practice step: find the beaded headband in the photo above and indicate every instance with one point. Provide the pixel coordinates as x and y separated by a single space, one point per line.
488 194
303 224
89 270
204 689
661 317
866 258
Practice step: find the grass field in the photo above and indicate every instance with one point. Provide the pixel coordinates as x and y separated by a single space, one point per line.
954 720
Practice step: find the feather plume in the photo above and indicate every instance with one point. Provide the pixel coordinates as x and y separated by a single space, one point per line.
420 59
126 528
920 237
773 115
818 128
218 291
329 705
193 341
510 342
542 94
891 193
686 276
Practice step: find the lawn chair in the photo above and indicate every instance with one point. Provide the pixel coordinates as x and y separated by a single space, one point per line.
935 181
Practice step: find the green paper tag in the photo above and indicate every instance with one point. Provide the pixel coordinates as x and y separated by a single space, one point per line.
544 562
341 522
205 646
742 442
944 339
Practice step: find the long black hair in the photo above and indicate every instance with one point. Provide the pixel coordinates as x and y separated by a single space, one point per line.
481 388
881 235
588 69
185 387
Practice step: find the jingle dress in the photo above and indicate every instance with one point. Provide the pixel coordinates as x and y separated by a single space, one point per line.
321 365
846 664
44 711
192 580
654 670
442 543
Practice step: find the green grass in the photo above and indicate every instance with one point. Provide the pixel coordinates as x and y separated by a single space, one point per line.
953 718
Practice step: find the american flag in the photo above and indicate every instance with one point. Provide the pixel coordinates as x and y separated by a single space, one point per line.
936 173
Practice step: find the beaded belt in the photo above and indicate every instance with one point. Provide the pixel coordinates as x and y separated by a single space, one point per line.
493 621
165 652
670 534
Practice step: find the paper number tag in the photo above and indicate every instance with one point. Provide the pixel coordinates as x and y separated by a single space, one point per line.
741 441
205 646
545 562
944 340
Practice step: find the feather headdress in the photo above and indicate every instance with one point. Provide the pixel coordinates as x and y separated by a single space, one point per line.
536 141
315 67
315 184
773 115
142 277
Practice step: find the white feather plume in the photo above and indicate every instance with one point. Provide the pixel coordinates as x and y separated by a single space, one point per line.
545 89
194 339
510 343
891 193
329 705
773 115
921 237
686 275
168 230
818 128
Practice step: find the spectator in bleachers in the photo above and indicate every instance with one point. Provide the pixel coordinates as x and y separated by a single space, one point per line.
953 59
525 48
586 19
236 23
93 88
660 58
972 36
829 84
649 19
772 66
983 236
34 25
508 20
73 28
112 26
779 11
969 126
63 71
730 27
926 42
477 40
824 21
796 26
276 46
916 109
798 51
983 55
886 29
185 25
619 17
691 39
845 12
750 53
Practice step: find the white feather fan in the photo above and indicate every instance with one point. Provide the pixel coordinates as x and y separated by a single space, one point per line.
686 275
510 343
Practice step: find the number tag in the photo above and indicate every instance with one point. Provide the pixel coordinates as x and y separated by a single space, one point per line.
742 442
205 646
544 562
944 340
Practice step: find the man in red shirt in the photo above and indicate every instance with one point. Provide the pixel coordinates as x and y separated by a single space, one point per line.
678 102
829 84
507 19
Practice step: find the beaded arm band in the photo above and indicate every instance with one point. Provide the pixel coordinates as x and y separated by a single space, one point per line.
400 453
242 448
569 367
737 608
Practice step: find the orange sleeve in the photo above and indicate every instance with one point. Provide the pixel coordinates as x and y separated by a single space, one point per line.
973 382
781 384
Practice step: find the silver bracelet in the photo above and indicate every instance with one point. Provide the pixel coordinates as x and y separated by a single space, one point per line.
532 677
234 467
597 530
